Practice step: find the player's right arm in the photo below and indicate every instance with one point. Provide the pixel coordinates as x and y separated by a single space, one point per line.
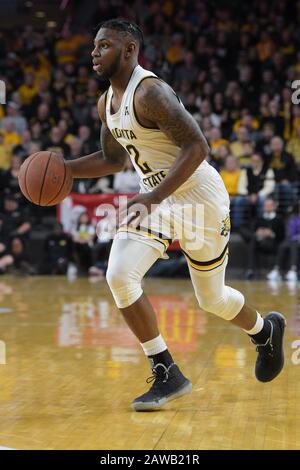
110 159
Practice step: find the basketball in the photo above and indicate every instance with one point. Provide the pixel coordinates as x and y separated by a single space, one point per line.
45 179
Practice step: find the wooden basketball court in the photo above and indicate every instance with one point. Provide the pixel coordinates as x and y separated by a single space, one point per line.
72 369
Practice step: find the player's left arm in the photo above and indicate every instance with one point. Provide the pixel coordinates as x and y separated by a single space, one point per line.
157 104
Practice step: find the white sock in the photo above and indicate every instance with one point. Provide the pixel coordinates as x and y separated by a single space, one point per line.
154 346
258 325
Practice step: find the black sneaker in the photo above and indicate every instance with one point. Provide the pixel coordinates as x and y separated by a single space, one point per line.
270 360
169 383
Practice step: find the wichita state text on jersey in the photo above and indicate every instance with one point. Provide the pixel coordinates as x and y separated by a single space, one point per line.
151 151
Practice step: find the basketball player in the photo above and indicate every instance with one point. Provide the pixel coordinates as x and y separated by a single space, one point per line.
142 116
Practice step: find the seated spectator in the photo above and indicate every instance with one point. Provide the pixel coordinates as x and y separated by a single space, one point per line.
217 160
83 238
58 249
127 181
255 184
80 109
231 174
11 137
89 145
9 183
44 118
263 145
206 112
239 147
15 221
42 96
292 246
56 144
216 140
187 68
265 235
249 122
13 115
21 264
274 118
284 168
36 133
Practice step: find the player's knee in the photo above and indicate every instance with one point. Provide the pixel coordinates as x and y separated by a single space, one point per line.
226 306
125 285
116 276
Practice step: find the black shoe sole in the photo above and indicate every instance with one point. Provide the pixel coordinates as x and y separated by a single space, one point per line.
282 321
157 405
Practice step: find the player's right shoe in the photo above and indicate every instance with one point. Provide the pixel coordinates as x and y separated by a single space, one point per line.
270 359
169 383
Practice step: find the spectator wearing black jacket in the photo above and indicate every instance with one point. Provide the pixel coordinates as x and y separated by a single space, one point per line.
58 251
255 184
16 222
265 236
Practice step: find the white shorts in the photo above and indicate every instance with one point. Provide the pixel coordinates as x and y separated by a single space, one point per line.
197 217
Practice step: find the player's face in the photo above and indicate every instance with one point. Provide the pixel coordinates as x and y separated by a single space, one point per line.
107 53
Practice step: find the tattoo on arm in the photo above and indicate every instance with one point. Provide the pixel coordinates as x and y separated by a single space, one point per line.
159 104
112 150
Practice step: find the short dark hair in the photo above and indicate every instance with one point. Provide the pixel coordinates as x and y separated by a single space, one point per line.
128 28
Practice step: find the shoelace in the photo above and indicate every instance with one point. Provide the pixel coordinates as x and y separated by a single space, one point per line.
155 373
267 343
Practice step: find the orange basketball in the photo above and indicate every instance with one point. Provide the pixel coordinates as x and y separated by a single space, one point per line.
45 179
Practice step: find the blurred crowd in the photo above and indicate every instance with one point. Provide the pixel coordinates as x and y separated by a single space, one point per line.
233 65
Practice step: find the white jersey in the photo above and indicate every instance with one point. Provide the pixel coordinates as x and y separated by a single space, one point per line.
152 153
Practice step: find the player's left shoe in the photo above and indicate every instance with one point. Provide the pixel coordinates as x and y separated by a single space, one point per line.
169 383
270 359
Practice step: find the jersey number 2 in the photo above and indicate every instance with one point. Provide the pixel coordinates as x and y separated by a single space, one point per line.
136 155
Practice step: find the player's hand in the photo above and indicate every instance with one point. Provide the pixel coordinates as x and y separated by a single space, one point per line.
137 209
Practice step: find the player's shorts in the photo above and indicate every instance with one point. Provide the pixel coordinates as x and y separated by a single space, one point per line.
197 217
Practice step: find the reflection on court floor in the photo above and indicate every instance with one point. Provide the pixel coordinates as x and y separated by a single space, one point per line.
72 368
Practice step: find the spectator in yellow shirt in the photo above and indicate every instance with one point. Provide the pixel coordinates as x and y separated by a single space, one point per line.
67 47
11 137
231 175
175 52
29 89
216 139
241 147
